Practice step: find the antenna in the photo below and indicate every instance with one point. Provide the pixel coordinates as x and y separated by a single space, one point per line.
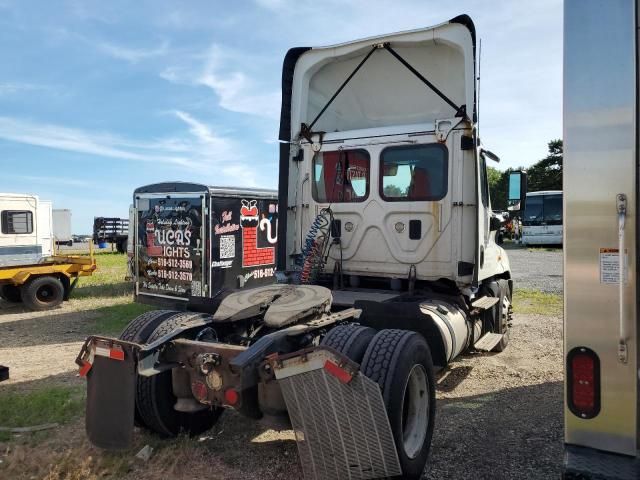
478 80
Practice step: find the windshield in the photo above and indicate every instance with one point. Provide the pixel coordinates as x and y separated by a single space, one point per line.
543 210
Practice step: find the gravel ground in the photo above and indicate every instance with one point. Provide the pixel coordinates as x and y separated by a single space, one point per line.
536 269
499 416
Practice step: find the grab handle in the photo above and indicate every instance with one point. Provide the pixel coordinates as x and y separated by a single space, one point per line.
621 206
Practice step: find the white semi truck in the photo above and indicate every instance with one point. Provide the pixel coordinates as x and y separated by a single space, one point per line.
601 135
387 270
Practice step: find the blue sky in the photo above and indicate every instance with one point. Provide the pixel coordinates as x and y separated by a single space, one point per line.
99 97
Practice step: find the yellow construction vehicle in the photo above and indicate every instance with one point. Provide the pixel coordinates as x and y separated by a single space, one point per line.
47 283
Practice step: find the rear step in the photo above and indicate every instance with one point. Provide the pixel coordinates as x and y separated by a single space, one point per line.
485 303
488 341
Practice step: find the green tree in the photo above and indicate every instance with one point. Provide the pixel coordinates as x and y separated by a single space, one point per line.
547 173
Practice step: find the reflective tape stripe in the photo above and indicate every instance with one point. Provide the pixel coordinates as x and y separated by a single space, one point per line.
113 353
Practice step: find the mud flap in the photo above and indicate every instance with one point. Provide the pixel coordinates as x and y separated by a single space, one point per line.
338 417
111 389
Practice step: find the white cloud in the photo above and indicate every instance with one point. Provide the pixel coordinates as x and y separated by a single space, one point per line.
81 141
236 91
61 181
133 55
11 88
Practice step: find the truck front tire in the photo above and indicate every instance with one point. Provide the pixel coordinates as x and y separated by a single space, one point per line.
42 293
400 362
351 340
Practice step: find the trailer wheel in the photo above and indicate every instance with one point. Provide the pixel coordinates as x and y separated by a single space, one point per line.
400 362
42 293
155 398
351 340
11 293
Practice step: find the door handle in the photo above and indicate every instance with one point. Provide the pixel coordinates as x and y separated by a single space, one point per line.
621 207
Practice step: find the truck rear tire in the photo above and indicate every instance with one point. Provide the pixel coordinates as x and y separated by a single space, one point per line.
155 399
11 293
400 362
139 330
351 340
42 293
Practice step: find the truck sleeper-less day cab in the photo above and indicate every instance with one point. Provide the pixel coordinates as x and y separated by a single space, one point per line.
387 270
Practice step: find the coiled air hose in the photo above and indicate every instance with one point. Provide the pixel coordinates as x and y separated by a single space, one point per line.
315 248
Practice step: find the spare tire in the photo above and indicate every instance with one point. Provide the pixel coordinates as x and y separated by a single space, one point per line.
400 362
351 340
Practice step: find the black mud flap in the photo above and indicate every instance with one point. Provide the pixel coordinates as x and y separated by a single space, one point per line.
111 389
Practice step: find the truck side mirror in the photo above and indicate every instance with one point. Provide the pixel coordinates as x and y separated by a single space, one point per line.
494 224
517 188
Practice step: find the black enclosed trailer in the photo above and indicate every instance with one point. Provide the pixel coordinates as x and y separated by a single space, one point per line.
193 241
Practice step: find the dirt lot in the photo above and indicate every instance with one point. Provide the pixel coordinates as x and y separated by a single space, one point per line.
499 415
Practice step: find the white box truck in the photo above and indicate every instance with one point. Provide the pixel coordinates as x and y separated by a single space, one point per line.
62 226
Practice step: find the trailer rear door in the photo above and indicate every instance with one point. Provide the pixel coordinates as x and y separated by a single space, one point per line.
600 164
169 252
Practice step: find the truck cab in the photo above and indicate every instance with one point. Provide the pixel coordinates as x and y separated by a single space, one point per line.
382 134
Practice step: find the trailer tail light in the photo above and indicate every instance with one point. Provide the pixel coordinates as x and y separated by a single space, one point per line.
583 382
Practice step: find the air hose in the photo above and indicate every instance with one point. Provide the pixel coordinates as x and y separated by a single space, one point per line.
315 247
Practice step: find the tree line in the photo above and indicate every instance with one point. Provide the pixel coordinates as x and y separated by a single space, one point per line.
546 174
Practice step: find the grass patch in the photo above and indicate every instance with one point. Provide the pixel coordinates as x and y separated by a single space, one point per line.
108 280
544 249
537 302
48 405
112 320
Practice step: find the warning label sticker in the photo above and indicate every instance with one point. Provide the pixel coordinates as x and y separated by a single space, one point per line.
610 266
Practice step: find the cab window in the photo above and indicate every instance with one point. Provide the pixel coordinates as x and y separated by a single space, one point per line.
414 173
341 176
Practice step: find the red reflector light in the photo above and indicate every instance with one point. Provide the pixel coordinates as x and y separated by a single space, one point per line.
583 382
231 396
340 373
199 390
84 369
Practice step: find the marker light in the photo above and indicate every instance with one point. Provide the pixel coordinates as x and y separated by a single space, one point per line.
583 382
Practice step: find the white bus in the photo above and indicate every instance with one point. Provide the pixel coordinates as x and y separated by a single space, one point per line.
542 218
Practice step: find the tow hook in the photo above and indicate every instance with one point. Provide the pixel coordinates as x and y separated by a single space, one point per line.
206 362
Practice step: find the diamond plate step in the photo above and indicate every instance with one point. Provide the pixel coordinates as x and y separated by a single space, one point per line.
488 341
485 303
